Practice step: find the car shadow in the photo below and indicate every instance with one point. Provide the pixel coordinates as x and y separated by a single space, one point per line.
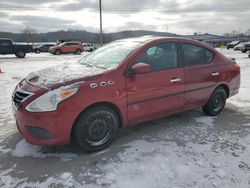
9 57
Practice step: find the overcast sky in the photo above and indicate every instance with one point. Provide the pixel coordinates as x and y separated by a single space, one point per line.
175 16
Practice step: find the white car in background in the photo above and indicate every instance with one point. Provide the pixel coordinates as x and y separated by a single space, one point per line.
246 47
88 47
239 46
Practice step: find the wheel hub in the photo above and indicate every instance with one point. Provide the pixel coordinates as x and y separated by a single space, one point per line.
97 130
217 102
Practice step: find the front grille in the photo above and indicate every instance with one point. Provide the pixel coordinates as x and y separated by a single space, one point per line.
19 96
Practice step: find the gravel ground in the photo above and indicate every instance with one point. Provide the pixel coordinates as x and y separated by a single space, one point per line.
184 150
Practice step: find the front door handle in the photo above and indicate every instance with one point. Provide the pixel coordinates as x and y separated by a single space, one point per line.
174 80
215 74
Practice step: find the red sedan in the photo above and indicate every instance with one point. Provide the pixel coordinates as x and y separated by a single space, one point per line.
120 84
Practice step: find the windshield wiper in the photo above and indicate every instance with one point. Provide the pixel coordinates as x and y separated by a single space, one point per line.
87 64
91 65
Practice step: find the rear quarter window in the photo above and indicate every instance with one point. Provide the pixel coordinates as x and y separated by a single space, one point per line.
196 55
209 55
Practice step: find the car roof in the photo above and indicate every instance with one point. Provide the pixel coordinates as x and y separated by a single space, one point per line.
140 39
71 42
235 41
149 38
47 44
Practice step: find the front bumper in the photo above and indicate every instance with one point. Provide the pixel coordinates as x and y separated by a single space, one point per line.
52 51
44 128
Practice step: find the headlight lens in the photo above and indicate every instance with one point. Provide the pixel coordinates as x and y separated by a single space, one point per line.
50 100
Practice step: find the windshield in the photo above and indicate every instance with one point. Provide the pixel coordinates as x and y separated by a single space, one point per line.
111 55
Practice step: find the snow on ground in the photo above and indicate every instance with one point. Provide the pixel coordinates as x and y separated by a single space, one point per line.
185 150
25 149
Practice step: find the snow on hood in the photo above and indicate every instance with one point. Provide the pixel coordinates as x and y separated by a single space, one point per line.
62 74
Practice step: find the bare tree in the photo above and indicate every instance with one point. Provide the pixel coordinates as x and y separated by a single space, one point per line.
248 32
30 34
233 33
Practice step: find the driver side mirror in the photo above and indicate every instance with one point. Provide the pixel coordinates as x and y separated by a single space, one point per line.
139 68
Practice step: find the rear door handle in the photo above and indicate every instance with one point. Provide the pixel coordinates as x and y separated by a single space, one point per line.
215 74
174 80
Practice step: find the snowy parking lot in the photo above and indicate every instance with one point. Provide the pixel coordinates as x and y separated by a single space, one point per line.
188 149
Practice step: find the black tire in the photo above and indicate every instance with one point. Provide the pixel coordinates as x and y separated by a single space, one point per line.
78 52
91 50
20 53
216 102
58 52
243 51
95 129
37 51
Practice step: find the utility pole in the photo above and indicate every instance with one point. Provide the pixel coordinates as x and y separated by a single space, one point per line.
100 9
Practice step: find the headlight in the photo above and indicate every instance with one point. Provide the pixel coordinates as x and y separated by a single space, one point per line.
50 100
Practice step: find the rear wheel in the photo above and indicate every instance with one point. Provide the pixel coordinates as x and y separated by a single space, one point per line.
38 51
216 102
78 52
58 52
20 54
95 129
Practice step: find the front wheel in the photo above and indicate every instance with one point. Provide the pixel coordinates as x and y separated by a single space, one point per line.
20 54
216 102
95 129
58 52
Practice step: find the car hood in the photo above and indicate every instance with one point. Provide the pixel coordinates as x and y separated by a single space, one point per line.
62 74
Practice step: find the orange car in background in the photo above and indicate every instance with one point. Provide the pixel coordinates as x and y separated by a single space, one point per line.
67 47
